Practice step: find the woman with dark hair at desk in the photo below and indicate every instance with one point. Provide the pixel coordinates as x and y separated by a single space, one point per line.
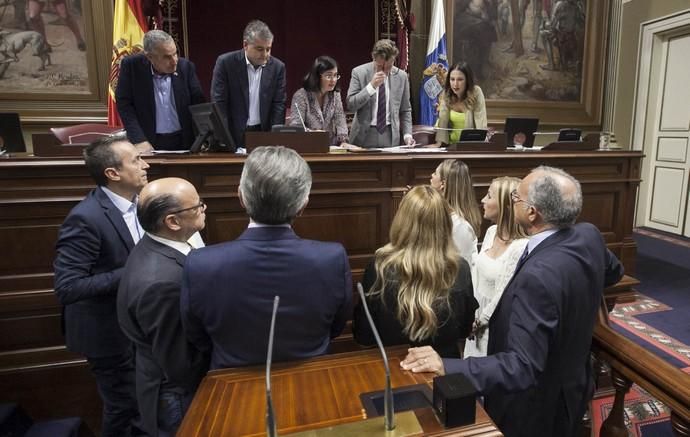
318 104
419 289
461 105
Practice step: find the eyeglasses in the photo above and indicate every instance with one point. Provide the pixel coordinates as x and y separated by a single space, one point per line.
515 197
201 205
330 76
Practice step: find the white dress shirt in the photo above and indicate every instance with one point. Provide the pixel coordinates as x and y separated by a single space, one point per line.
254 76
129 213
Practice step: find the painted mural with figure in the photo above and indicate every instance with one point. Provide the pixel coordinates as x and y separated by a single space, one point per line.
42 47
522 49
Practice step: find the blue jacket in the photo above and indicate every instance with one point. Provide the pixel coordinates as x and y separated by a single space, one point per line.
228 289
92 247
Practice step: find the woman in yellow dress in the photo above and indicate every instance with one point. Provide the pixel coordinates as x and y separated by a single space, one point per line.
461 105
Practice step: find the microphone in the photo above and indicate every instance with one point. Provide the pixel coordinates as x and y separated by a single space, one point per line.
270 415
389 417
300 117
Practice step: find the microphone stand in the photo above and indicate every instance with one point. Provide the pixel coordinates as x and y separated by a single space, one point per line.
270 415
389 416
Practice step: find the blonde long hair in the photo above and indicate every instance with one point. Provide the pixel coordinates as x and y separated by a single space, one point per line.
507 228
421 261
459 192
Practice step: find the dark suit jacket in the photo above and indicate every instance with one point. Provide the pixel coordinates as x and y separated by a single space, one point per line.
228 290
230 88
92 248
537 377
148 307
136 103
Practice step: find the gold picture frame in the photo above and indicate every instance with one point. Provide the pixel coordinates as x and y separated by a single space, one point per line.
583 111
39 108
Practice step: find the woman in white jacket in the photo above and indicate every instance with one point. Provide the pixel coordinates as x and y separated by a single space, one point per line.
501 250
452 178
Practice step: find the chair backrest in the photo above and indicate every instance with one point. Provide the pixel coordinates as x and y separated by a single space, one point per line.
423 134
83 133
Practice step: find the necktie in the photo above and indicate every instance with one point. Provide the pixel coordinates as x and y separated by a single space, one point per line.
523 258
381 110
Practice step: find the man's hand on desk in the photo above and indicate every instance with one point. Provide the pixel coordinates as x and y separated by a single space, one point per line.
423 359
144 147
409 140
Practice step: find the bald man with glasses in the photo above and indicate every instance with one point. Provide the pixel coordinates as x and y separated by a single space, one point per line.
168 368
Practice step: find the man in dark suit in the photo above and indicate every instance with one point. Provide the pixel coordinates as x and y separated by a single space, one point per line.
249 84
168 368
153 95
537 377
228 288
92 248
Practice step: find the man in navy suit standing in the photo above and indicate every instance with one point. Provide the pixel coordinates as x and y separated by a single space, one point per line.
249 84
228 289
537 378
93 245
153 95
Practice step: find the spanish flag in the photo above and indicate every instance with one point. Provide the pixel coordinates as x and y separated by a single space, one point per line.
129 27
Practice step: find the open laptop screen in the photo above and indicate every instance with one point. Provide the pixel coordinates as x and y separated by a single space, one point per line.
520 131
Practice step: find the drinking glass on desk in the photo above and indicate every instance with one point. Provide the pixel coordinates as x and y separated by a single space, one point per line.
604 140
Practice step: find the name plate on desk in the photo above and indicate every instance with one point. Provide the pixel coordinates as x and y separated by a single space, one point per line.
589 142
495 144
302 142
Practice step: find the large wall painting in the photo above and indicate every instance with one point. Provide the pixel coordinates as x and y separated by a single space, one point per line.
42 47
542 54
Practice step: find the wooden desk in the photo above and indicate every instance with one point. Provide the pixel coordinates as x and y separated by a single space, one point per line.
309 394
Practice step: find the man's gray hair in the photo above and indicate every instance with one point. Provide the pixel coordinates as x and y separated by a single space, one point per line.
257 29
154 38
274 185
549 194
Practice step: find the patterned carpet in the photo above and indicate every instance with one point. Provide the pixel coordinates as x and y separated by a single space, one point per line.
626 320
658 321
644 416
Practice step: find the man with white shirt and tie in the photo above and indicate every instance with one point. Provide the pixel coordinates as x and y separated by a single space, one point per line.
92 248
249 84
168 368
379 94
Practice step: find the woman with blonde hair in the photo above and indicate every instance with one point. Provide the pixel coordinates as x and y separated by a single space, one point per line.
502 248
419 290
452 178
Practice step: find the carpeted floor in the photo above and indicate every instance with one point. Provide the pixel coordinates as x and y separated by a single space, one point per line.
659 321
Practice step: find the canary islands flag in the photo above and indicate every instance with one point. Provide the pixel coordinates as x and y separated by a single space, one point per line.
129 26
436 66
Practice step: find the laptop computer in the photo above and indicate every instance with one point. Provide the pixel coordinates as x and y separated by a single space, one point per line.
520 131
11 137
